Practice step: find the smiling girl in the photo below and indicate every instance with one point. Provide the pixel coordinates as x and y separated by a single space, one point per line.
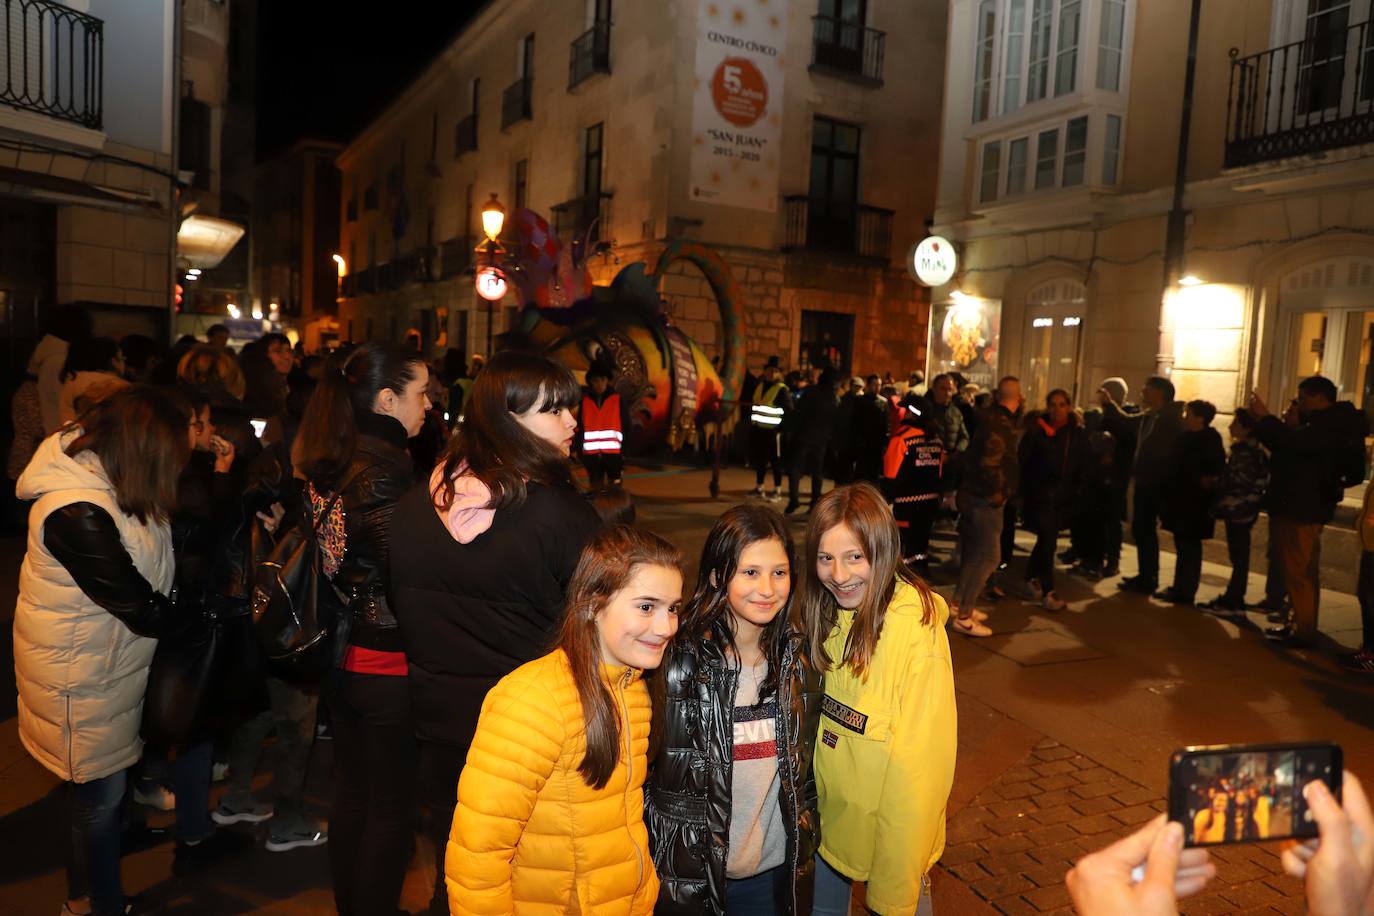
732 802
550 812
885 758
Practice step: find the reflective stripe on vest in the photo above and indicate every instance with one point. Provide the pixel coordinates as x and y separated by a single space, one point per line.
764 413
601 425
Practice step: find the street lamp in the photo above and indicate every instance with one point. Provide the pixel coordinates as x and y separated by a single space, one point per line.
490 281
493 218
343 265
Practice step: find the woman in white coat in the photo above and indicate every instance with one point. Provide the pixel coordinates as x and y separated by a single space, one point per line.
92 600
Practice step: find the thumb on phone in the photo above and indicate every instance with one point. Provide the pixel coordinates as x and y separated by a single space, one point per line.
1162 864
1332 823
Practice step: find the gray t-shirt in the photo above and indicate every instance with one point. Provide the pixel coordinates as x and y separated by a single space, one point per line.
758 839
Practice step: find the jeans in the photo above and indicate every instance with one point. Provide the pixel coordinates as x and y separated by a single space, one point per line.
93 854
191 780
1188 567
752 896
1365 590
1144 522
980 532
1300 550
375 757
833 888
1041 563
1238 550
292 713
807 459
765 448
440 767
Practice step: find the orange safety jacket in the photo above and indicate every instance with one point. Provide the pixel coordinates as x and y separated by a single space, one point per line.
601 432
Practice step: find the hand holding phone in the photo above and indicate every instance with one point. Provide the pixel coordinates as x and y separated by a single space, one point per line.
1338 868
224 454
1145 873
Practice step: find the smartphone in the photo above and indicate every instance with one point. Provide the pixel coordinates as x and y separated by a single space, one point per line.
1244 793
259 427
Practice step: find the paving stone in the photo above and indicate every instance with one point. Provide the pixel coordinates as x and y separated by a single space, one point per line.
1044 743
960 831
998 865
1019 790
1289 887
1056 782
1019 774
1095 773
1232 873
968 872
1005 886
1048 836
1255 893
1008 825
1011 808
958 855
1048 875
1055 767
1057 797
1098 823
1100 805
1293 905
1138 814
1095 789
1014 906
1058 814
1004 845
1136 796
1049 898
1206 905
1058 752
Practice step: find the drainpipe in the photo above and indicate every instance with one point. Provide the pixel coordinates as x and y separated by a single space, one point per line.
1176 236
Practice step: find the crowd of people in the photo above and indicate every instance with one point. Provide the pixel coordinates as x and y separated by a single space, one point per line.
987 462
783 730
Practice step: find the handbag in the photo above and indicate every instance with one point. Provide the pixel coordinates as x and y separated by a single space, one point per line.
289 619
181 682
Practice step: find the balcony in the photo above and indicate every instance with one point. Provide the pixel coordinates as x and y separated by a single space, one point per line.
847 50
454 256
348 286
837 227
517 102
584 217
465 136
1301 98
366 282
591 54
52 61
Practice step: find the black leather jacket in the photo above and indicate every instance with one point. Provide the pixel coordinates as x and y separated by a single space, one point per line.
381 472
687 799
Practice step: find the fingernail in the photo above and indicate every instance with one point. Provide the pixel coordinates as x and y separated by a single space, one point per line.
1315 787
1173 834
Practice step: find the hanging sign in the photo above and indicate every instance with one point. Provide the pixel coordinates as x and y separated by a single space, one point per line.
491 283
737 109
932 261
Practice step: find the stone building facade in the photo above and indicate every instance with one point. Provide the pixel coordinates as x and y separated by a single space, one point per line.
594 123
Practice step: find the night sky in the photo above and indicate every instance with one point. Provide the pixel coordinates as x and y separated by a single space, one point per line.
325 70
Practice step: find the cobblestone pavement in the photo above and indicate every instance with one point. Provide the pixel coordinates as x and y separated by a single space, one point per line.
1066 722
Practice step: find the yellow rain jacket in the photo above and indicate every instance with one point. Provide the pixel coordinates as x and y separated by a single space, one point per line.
885 754
529 835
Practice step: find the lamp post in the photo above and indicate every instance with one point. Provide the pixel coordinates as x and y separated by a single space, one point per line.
491 281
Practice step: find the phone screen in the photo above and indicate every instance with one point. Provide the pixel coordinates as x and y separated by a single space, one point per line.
1248 793
259 427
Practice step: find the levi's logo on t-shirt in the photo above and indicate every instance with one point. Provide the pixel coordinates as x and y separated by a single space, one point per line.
756 731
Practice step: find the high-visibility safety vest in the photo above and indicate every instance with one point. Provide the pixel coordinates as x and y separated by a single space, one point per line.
601 433
766 414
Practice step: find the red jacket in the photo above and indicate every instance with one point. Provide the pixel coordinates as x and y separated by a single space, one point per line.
601 432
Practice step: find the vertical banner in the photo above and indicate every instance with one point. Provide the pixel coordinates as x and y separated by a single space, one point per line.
964 338
737 108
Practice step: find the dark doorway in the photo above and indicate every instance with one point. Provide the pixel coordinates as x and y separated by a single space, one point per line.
827 341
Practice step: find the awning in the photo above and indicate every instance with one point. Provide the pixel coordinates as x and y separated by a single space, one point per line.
204 241
56 189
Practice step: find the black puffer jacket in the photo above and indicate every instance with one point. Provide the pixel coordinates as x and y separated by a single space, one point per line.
381 473
1052 470
687 798
472 613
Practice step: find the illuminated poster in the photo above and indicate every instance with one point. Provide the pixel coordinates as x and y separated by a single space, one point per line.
964 338
737 108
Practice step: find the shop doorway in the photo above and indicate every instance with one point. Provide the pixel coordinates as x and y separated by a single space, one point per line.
1053 339
827 341
1327 314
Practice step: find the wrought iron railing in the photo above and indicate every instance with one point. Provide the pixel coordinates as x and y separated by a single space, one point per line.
836 226
52 61
1303 97
591 53
366 282
517 102
847 48
584 217
465 136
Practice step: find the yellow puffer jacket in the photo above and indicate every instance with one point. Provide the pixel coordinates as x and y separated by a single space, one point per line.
529 835
885 754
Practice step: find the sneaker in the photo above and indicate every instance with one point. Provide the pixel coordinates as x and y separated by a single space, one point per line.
1273 606
155 796
219 772
969 627
255 813
776 496
1173 597
1361 662
757 492
299 838
1111 570
1090 571
1284 634
1034 590
1053 602
1277 617
190 858
1138 585
1222 610
978 615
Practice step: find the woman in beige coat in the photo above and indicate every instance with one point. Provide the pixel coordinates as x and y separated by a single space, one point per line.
92 600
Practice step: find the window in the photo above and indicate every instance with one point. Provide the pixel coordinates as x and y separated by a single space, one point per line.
992 171
1066 62
982 76
1038 71
1017 151
521 184
832 212
1075 152
591 161
1046 152
1015 42
1109 44
1111 149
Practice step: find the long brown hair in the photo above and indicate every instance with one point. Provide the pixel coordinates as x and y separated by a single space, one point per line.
607 565
862 509
212 369
140 435
707 614
493 446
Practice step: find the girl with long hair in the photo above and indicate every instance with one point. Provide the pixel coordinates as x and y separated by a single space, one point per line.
885 758
550 812
481 558
93 599
736 710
